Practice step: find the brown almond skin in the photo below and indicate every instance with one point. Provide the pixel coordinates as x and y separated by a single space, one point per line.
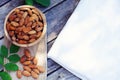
19 74
27 68
30 58
14 23
36 71
23 59
35 61
32 40
27 63
32 66
27 53
21 22
26 73
34 75
41 69
22 42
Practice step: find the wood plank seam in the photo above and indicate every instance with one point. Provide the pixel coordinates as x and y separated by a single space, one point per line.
46 10
54 71
4 2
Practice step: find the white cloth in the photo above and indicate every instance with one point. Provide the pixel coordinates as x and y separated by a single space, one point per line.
89 44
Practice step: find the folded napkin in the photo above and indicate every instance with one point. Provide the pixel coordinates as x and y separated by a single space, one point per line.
89 44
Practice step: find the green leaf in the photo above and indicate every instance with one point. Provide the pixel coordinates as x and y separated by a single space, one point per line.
14 48
29 2
1 60
3 51
11 67
5 76
14 58
43 2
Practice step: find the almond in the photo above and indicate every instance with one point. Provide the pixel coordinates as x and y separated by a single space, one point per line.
25 37
35 61
22 42
26 29
21 22
41 69
17 19
11 33
34 75
27 53
29 24
26 20
13 38
35 16
19 74
40 24
30 58
25 15
26 73
32 32
32 40
27 68
38 28
36 71
27 63
31 18
39 34
17 10
8 26
23 59
35 11
34 25
40 17
12 17
27 9
14 23
12 28
32 66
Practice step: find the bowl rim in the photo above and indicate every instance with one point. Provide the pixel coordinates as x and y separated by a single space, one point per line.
30 44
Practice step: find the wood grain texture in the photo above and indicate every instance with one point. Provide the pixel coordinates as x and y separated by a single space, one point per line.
57 15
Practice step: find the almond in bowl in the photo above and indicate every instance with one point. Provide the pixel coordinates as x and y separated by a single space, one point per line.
25 26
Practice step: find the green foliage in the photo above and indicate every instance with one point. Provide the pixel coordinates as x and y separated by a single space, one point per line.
29 2
14 48
11 67
1 60
5 76
3 51
45 3
14 58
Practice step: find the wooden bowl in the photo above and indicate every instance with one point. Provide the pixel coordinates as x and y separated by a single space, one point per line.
29 44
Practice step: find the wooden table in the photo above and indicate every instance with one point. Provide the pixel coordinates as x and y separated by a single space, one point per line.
57 15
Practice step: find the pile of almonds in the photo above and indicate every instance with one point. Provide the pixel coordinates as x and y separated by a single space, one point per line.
30 67
24 25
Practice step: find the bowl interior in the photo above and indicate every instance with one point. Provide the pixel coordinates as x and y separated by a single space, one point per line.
36 41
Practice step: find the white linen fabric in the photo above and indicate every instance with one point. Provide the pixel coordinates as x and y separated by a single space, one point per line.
89 44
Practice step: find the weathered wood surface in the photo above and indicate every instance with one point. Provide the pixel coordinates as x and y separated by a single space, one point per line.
57 15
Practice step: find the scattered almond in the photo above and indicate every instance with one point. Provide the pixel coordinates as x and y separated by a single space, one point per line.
27 53
41 69
27 68
34 75
35 61
26 73
19 74
36 71
27 63
23 59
